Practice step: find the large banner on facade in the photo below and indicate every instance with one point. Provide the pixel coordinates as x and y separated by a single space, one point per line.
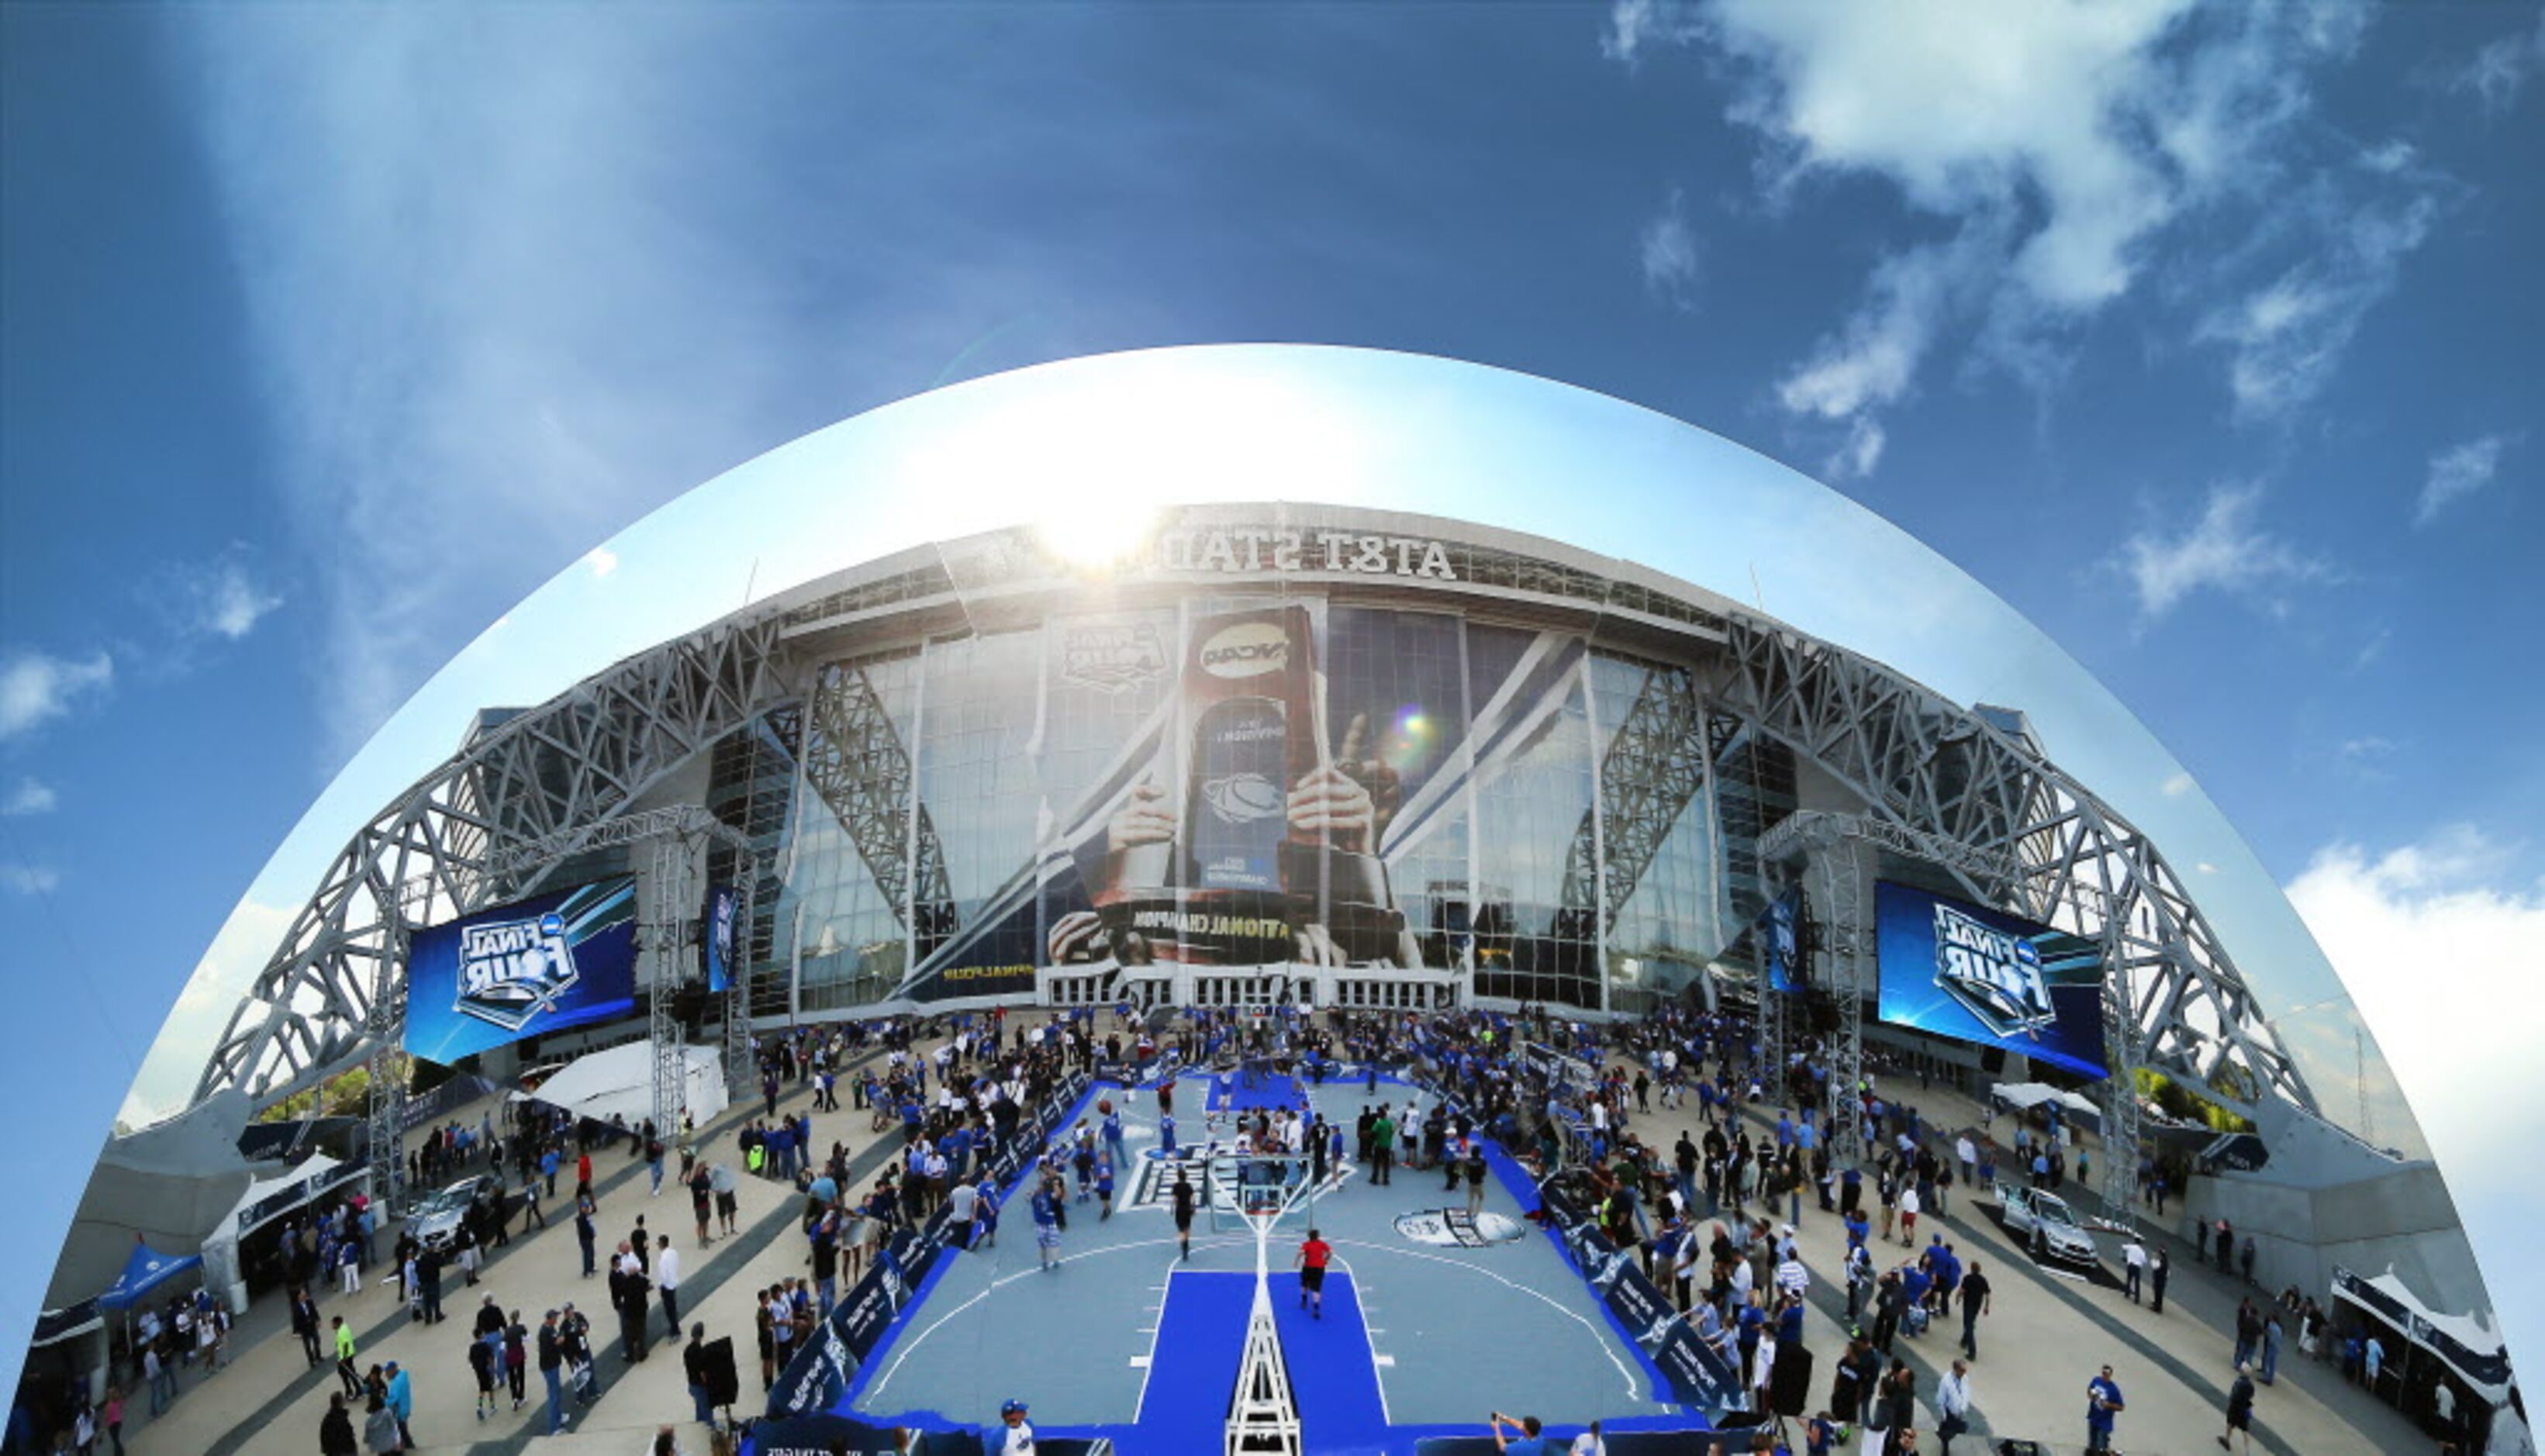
1248 778
563 959
1954 969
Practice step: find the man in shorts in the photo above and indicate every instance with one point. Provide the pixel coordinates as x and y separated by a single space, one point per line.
1311 1259
1184 1201
2239 1412
1049 1208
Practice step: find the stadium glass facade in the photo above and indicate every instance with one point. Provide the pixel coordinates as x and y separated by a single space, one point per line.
1419 784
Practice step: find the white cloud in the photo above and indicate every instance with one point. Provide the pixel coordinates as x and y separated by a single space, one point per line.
2372 649
602 560
2285 339
1857 454
2439 954
2177 786
1871 361
2062 138
29 879
2389 157
2365 757
2499 69
230 602
502 303
37 686
1669 252
29 798
2459 471
1633 23
2224 550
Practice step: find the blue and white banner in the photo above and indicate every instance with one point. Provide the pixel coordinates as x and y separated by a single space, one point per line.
1954 969
716 928
538 965
1780 942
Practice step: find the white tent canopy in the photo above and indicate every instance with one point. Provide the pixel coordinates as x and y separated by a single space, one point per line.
620 1083
266 1187
2028 1095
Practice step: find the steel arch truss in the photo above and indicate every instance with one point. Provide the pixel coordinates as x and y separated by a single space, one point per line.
1653 767
856 762
334 985
2041 844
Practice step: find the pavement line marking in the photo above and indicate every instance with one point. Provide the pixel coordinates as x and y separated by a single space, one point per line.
909 1341
1634 1388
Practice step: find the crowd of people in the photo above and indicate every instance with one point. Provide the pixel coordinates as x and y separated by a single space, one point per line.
1711 1215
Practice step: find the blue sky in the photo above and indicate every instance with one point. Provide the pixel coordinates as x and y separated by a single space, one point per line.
2207 336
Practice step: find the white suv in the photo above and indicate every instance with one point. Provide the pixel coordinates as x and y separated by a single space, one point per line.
2046 1224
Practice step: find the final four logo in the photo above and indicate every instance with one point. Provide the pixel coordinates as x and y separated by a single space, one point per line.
512 970
1995 976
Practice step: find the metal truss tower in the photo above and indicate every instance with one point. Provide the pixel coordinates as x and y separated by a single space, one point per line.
670 894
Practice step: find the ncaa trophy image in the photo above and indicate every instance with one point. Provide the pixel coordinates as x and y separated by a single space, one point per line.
1262 847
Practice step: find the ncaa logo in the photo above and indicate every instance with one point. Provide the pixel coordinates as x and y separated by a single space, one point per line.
512 970
1246 650
1241 798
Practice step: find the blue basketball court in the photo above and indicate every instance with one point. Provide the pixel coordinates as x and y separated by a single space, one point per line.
1430 1319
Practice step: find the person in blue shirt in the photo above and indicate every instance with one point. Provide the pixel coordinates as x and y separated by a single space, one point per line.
985 1217
1748 1325
401 1402
2103 1400
1519 1437
1013 1436
1112 1130
1167 1134
1050 1202
1104 1186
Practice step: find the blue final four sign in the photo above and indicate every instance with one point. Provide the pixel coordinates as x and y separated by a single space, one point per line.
1980 975
562 959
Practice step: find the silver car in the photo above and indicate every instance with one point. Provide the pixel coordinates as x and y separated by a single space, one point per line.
435 1220
2046 1225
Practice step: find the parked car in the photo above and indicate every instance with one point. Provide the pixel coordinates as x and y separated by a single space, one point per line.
436 1220
2046 1224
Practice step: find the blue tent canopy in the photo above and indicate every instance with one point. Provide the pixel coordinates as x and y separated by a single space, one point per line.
145 1271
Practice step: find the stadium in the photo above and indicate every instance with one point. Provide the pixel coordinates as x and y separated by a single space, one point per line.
1271 774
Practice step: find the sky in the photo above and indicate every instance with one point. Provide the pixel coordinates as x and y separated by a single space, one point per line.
2207 336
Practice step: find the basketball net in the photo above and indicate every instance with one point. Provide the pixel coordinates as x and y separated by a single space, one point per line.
1262 1415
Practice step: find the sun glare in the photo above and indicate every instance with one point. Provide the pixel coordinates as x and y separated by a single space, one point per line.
1095 540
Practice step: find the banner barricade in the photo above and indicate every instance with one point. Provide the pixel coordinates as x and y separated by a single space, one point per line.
819 1376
